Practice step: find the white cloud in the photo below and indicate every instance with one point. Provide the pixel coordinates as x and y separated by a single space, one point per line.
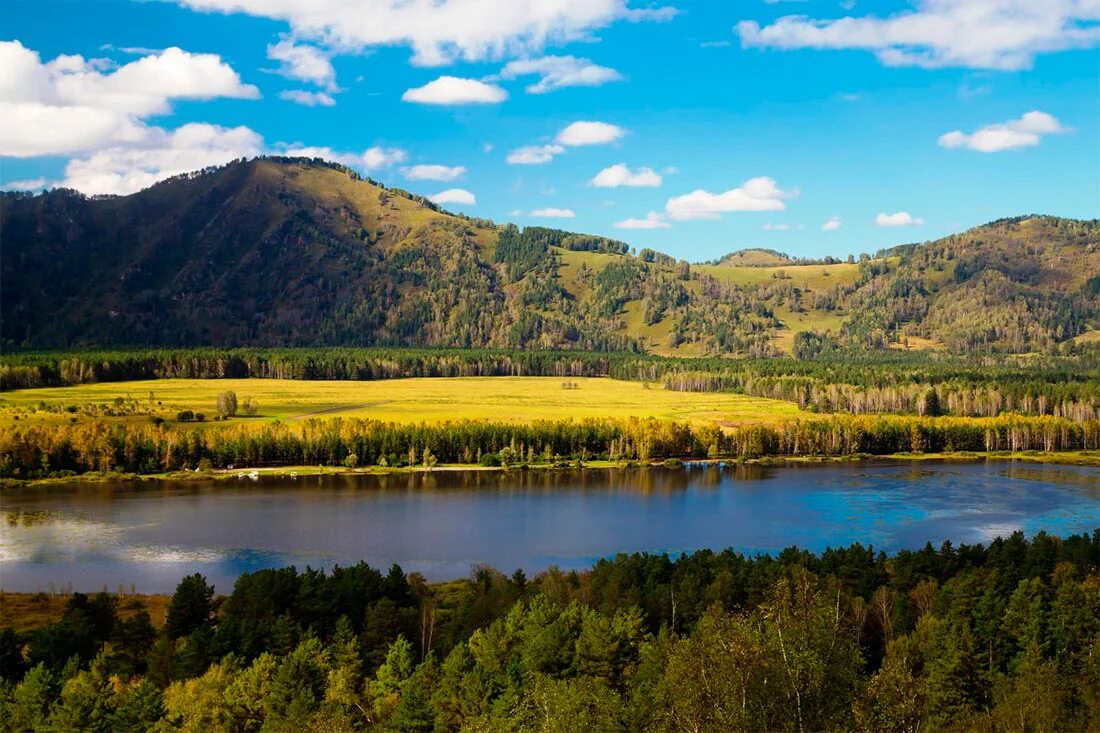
769 227
983 34
578 133
556 72
515 212
831 224
898 219
534 154
589 133
379 157
486 147
308 99
661 14
455 90
755 194
433 172
1021 133
553 213
652 220
70 105
29 184
620 175
440 31
454 196
125 169
370 159
304 63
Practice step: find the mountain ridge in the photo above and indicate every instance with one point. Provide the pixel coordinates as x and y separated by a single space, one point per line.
287 252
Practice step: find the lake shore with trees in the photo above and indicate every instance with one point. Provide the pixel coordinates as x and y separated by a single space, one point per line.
1066 458
952 638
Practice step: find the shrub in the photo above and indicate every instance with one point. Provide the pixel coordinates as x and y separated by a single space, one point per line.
491 460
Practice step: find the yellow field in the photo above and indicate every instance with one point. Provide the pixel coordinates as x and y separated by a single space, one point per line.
403 400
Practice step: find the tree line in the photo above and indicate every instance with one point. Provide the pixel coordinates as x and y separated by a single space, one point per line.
63 449
1000 637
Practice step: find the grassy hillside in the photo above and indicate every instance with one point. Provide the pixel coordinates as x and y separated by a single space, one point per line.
294 252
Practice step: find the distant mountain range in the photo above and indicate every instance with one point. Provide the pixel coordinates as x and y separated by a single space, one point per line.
295 252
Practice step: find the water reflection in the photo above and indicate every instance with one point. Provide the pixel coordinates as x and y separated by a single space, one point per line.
441 524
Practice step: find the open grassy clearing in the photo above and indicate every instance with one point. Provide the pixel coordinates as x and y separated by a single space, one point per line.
1088 337
810 320
28 611
655 336
807 277
402 400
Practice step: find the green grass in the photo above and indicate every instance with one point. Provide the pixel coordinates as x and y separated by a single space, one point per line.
807 277
520 399
811 320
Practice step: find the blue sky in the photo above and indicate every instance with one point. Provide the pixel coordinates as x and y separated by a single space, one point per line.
722 124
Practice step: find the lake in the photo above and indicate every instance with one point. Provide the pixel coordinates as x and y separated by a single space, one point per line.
150 534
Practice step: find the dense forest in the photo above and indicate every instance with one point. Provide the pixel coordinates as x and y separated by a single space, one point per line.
280 252
59 450
1003 637
843 380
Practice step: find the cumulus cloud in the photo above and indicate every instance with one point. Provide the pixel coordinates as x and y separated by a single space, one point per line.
307 98
441 31
534 154
898 219
576 134
304 63
589 133
371 159
770 227
652 220
70 104
379 157
755 194
982 34
1024 132
447 90
556 72
831 224
620 175
95 111
433 172
454 196
552 213
125 169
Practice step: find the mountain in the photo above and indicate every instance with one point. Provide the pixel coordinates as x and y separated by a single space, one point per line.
296 252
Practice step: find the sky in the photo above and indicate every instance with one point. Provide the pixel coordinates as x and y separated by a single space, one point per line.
692 127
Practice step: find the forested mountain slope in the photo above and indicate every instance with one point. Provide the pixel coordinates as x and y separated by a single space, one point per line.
294 252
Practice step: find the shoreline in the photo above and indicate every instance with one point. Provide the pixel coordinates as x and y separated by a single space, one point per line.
1087 458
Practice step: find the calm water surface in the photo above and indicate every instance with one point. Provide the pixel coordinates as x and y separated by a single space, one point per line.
151 534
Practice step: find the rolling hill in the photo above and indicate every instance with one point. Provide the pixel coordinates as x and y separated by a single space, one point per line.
297 252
